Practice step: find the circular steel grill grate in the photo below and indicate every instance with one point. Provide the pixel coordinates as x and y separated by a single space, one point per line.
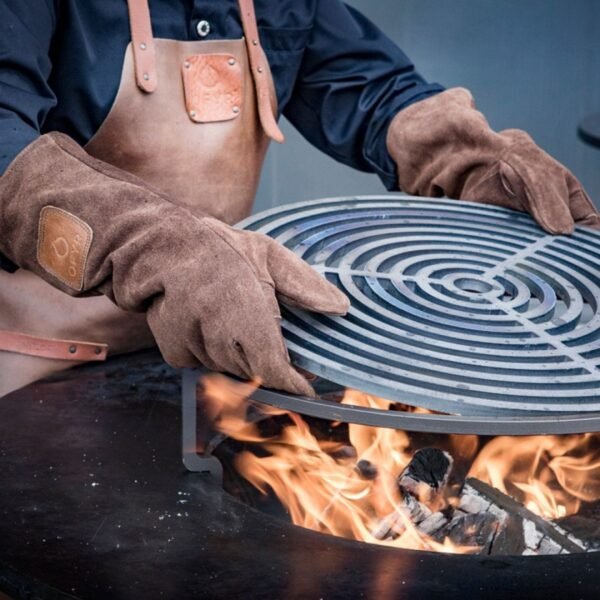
456 307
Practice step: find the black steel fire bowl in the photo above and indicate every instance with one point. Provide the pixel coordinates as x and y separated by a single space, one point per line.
95 503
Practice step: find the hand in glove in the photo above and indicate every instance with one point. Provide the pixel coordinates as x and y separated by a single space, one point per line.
443 146
210 291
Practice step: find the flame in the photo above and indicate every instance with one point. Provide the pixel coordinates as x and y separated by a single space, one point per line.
551 475
324 488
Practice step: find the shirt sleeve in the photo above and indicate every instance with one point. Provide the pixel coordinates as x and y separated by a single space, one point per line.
26 30
353 80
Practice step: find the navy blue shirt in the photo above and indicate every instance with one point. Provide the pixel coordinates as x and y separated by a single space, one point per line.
339 79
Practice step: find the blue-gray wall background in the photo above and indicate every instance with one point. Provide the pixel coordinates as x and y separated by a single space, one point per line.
532 64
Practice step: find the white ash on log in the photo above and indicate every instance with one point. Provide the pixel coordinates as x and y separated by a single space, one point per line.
394 524
519 530
433 523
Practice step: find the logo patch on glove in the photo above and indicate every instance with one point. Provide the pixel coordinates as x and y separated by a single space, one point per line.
63 245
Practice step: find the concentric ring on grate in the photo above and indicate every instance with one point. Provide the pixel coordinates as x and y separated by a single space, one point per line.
457 307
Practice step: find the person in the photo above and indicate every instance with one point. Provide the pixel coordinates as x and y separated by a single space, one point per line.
131 139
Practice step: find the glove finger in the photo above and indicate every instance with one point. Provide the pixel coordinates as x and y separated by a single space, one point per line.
183 345
265 352
546 198
298 284
592 221
169 339
582 208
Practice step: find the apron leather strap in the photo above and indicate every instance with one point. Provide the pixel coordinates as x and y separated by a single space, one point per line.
261 73
144 57
30 345
142 42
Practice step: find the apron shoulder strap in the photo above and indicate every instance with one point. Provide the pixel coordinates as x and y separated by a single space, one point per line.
142 42
261 73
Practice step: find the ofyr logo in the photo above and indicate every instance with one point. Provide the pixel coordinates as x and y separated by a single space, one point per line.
68 252
63 245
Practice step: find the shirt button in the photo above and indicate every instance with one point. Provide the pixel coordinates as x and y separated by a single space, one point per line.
203 28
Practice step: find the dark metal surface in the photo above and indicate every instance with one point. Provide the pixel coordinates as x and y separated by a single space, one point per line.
589 130
457 307
95 503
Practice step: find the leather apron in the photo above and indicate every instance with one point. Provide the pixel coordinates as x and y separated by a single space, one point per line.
191 118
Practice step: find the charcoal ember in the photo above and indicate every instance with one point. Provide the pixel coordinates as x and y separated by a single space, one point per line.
366 469
472 503
476 530
426 475
390 527
394 524
585 525
344 452
510 538
433 523
417 511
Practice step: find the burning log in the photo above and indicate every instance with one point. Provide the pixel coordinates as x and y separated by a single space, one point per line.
585 525
484 518
433 523
422 484
394 524
426 476
519 531
478 530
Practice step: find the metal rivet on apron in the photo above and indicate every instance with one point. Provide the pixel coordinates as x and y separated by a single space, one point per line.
97 350
146 76
143 46
187 65
260 69
255 42
72 349
231 61
192 113
236 109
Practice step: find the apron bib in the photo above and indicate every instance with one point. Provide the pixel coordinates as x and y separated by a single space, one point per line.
191 118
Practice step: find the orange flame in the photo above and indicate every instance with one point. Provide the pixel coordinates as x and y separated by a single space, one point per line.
322 489
551 475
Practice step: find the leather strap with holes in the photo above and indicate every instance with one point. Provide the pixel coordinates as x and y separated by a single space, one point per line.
261 73
21 343
142 42
144 57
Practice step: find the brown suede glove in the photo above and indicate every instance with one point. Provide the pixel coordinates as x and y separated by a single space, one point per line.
210 291
442 146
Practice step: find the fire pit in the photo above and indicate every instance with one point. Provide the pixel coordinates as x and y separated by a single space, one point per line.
481 332
96 504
